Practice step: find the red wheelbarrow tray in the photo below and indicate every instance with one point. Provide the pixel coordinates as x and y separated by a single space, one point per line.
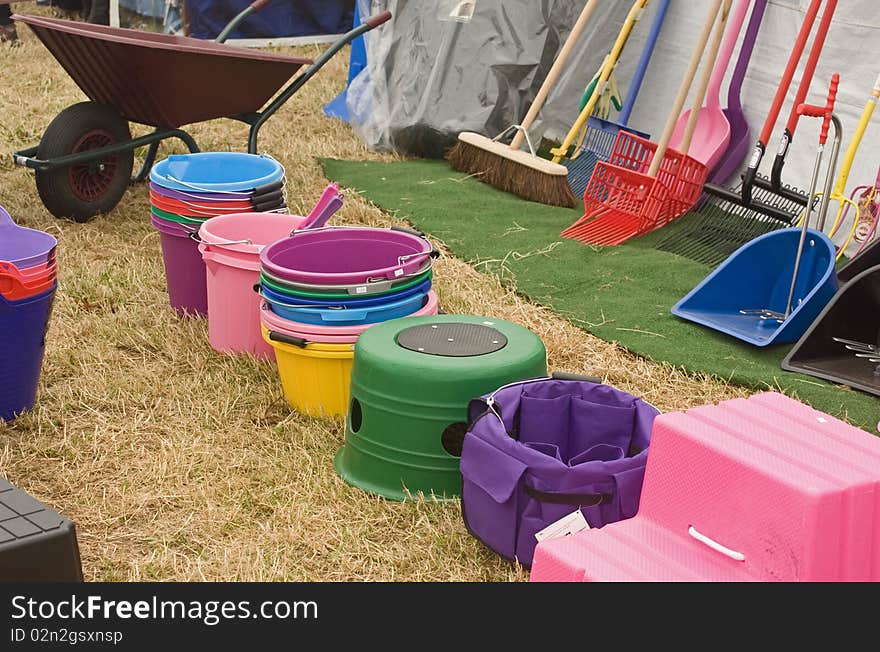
163 80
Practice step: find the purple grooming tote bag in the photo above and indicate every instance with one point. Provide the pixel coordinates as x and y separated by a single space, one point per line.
538 450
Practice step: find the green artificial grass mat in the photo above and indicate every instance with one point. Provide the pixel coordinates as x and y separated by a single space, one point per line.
621 294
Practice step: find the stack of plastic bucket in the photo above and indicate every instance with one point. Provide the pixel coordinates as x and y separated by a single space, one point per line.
28 280
322 288
187 190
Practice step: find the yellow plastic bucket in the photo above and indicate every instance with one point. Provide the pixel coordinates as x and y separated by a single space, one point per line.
315 377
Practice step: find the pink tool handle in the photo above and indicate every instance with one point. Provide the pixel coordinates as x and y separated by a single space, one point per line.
814 111
734 27
790 68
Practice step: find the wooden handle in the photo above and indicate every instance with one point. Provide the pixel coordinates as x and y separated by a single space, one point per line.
554 73
709 66
684 89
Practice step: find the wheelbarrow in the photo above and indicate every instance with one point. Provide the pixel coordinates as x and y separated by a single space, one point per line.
84 161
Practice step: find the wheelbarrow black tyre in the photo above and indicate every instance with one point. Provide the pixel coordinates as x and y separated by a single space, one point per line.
79 192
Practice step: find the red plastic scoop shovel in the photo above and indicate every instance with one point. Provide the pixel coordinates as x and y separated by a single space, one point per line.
644 185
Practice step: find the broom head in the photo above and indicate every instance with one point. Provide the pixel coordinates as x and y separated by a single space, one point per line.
510 170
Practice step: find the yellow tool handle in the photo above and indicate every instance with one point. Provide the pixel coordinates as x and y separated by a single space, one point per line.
852 148
684 89
608 67
554 73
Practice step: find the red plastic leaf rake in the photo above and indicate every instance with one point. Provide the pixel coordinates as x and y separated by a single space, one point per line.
625 197
645 185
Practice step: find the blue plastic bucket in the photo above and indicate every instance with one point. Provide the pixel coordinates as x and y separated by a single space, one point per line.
23 326
349 316
216 172
355 302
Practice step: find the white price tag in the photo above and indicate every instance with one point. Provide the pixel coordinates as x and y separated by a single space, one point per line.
571 524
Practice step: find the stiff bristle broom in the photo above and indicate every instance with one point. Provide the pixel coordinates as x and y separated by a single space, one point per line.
510 169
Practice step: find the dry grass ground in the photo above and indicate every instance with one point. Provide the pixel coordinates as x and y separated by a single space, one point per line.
180 464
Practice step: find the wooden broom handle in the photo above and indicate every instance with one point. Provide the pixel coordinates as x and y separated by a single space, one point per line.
684 89
709 67
555 72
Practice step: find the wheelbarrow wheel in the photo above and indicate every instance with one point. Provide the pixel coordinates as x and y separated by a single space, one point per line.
83 190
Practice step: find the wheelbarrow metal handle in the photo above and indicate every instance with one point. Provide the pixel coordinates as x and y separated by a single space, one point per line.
374 21
308 73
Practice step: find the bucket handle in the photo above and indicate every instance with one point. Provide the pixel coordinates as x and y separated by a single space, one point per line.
433 253
403 229
195 237
275 336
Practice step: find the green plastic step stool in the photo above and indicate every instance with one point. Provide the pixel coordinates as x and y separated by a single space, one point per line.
411 383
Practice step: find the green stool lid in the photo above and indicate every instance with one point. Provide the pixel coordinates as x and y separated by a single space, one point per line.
455 339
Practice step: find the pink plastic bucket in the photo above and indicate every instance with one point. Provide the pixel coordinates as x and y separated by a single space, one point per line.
317 333
291 329
184 269
230 247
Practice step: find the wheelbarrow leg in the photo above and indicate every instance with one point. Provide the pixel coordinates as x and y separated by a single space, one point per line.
148 163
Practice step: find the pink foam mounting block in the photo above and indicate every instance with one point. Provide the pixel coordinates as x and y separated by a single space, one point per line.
758 489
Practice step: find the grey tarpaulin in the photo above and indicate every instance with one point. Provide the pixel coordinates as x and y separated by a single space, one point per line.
428 79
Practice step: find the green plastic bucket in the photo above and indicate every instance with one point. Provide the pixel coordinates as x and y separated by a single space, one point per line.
411 383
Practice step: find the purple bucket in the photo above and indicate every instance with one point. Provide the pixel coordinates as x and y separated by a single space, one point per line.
558 446
23 325
185 272
200 196
343 255
23 247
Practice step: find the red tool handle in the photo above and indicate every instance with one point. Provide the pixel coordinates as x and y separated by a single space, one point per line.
796 53
378 19
812 60
814 111
256 5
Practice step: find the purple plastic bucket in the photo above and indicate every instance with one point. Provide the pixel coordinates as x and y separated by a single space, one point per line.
346 255
194 195
184 269
24 247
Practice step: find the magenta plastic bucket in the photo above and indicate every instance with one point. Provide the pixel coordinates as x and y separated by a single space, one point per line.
318 333
346 255
230 248
184 268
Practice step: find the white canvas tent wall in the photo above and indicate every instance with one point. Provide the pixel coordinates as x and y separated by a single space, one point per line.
852 49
